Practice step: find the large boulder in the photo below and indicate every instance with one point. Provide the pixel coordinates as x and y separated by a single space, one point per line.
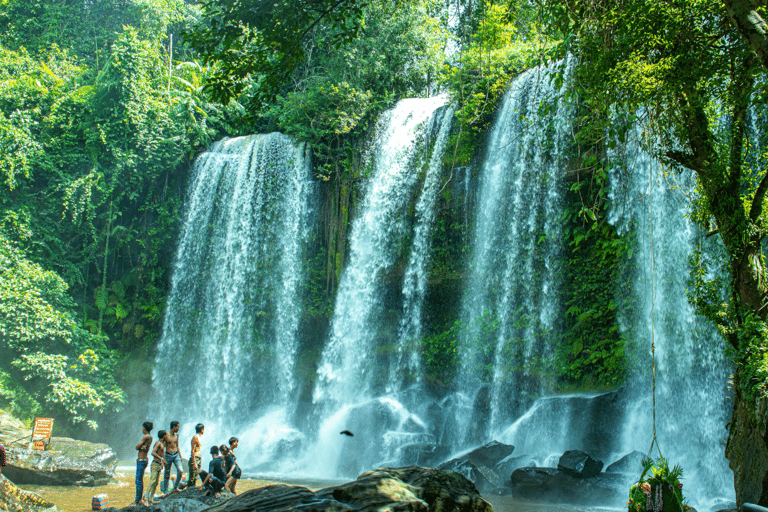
64 461
579 464
489 454
507 465
67 462
630 464
479 465
483 477
14 499
409 488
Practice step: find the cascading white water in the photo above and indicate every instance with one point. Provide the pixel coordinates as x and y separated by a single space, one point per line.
349 371
233 310
692 401
415 280
365 364
510 306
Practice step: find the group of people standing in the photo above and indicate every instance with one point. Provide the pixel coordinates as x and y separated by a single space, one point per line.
223 471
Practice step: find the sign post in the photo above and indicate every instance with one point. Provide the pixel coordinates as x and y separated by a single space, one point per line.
41 432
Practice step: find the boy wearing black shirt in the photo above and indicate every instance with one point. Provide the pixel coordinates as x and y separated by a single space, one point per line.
214 478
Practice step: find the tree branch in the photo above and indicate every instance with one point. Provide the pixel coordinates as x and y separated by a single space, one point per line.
750 25
757 203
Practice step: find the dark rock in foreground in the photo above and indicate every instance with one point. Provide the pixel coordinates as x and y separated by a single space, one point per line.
188 500
579 464
489 454
409 488
555 486
483 477
14 499
479 465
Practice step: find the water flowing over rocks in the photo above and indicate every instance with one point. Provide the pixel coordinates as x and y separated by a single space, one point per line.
480 465
554 486
65 461
409 488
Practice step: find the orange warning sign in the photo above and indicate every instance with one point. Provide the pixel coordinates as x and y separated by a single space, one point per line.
42 429
39 444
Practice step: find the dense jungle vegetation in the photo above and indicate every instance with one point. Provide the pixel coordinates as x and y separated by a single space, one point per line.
103 106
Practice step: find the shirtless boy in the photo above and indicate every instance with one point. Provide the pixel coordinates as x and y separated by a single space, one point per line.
172 456
158 461
194 457
142 461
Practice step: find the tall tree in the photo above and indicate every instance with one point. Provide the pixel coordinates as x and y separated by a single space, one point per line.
682 69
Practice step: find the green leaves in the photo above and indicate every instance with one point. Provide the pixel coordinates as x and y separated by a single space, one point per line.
60 361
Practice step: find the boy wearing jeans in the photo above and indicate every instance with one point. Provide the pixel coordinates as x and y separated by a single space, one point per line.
172 456
142 461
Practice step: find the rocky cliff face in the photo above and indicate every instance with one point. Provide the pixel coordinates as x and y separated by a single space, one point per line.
747 450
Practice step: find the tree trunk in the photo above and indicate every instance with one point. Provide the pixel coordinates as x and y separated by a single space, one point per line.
747 450
750 25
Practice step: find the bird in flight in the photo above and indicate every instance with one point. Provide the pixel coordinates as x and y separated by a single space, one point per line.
347 433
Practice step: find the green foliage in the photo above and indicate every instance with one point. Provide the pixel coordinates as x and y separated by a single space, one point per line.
751 356
88 30
96 139
439 357
336 94
592 352
504 44
658 486
41 337
253 52
16 400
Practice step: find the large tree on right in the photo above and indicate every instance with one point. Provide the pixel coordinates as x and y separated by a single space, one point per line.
694 73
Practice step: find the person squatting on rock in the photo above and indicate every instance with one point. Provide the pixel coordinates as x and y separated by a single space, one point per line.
142 461
230 464
172 456
194 458
158 462
214 478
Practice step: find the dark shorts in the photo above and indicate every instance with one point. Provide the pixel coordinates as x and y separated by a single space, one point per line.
213 484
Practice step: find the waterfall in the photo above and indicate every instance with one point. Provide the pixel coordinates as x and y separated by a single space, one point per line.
415 281
373 349
234 307
510 308
350 371
692 402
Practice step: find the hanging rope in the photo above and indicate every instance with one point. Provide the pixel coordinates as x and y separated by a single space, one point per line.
653 319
